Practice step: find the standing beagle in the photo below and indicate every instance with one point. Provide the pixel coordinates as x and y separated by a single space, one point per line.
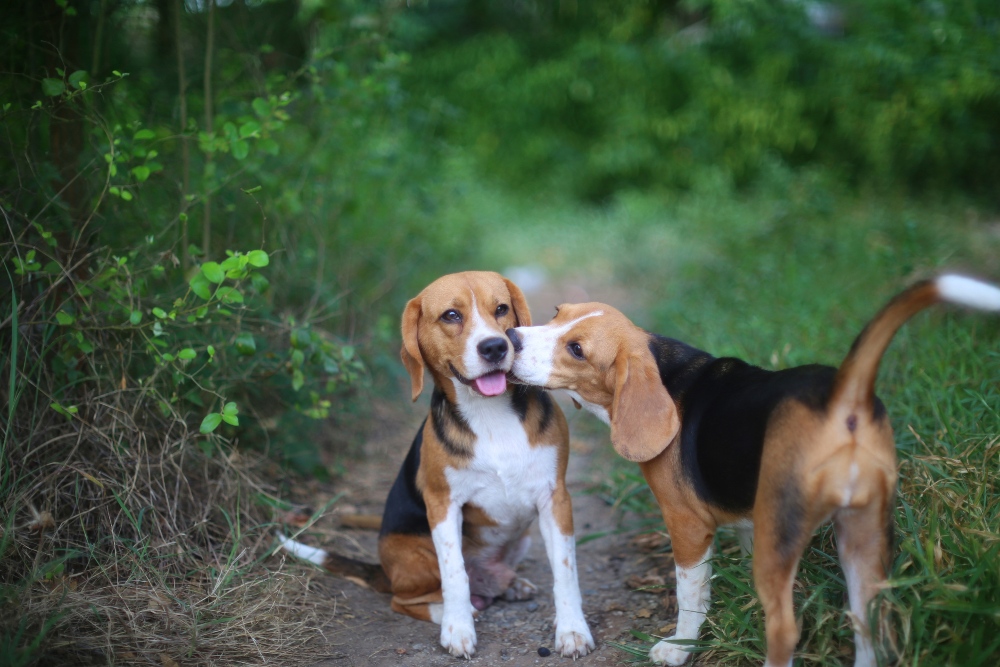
773 453
488 459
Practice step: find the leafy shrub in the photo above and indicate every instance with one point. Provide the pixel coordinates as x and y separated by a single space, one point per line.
146 370
595 98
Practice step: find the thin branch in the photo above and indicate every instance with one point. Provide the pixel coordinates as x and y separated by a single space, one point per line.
209 45
185 150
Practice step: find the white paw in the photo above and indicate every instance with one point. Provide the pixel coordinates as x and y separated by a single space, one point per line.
458 636
668 654
573 639
520 589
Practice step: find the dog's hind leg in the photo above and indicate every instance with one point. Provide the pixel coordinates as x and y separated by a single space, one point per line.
776 560
520 588
863 542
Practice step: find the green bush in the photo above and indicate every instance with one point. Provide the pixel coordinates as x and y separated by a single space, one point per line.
595 98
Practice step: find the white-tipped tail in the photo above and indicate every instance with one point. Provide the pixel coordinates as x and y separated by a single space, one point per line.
968 292
303 551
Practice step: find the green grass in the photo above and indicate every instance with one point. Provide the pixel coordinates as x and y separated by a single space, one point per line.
788 276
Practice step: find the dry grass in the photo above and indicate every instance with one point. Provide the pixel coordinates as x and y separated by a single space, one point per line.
129 539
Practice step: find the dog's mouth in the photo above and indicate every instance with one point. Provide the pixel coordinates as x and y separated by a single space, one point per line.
489 384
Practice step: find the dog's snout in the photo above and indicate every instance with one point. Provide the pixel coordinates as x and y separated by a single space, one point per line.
515 339
492 349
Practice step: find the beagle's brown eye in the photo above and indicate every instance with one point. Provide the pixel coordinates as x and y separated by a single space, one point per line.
502 310
451 316
575 350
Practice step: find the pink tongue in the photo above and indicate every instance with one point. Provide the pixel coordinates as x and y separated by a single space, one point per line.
493 384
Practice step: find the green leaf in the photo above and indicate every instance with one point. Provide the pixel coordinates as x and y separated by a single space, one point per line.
213 272
258 258
231 263
135 317
298 379
269 146
78 79
261 107
259 283
245 344
250 191
230 408
159 313
297 358
347 352
330 366
249 129
64 318
53 87
187 353
230 295
65 412
126 195
144 134
200 286
231 419
240 149
211 351
210 422
141 173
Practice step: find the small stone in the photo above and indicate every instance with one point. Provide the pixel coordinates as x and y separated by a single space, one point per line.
532 606
401 651
544 652
590 591
418 647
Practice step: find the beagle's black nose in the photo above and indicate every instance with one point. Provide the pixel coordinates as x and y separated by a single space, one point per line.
492 349
515 339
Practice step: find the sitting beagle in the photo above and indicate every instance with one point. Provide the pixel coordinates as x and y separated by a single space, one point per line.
773 453
488 459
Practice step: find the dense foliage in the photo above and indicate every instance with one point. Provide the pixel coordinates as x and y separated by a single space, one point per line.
603 96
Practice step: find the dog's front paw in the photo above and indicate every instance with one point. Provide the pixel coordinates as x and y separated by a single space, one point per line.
458 636
668 654
520 589
573 639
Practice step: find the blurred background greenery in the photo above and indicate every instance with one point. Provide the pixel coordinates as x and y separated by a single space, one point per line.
753 176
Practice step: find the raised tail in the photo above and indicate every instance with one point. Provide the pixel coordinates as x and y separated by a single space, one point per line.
368 574
855 382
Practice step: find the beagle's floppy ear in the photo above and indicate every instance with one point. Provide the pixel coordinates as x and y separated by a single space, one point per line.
520 305
644 418
410 352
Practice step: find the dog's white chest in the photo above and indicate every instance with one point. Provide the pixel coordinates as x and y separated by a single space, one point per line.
507 476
